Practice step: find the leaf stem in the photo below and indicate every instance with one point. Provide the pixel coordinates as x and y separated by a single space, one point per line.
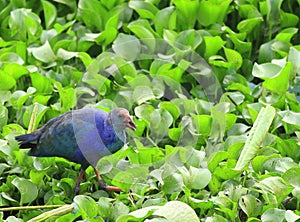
29 207
64 209
33 117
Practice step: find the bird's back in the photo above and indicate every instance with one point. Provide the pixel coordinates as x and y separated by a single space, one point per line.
82 136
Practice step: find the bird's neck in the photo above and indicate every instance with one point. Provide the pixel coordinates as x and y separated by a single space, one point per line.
120 132
121 135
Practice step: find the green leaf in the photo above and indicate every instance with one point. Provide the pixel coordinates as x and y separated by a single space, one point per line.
212 12
266 70
294 57
87 206
266 53
15 70
142 94
230 120
146 156
280 83
292 176
104 166
85 58
175 133
7 81
274 190
273 214
123 180
92 13
145 10
27 189
250 205
138 215
11 57
37 176
291 216
213 45
194 157
234 58
143 111
190 38
41 110
165 68
226 171
41 99
218 125
12 128
5 96
49 13
142 29
172 183
286 35
160 121
203 124
171 108
290 117
198 178
256 136
177 211
186 11
259 161
288 19
165 19
24 24
248 11
3 116
68 98
248 25
41 83
273 11
288 147
43 53
172 211
66 55
127 46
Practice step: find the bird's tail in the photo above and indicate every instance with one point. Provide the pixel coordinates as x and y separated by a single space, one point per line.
28 140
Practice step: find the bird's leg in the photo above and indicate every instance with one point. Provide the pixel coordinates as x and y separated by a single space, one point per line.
77 185
103 185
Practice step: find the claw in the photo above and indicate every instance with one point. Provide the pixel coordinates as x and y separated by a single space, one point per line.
77 185
103 185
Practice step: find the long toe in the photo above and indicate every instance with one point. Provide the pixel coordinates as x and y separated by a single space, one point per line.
103 185
114 189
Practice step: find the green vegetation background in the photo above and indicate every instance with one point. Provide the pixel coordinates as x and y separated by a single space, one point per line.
195 74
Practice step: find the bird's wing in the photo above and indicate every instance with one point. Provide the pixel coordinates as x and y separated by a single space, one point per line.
30 140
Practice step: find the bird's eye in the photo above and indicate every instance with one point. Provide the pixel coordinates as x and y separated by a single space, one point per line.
119 116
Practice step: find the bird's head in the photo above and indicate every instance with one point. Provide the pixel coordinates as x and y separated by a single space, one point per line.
120 119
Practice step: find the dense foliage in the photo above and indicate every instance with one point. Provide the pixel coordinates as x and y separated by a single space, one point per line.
201 79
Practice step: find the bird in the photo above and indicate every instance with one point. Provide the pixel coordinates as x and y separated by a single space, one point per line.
82 136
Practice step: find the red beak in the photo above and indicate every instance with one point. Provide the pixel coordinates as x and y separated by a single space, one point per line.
131 125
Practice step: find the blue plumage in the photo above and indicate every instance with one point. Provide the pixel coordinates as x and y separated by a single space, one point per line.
81 136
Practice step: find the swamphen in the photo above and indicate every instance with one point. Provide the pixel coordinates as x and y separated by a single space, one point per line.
82 136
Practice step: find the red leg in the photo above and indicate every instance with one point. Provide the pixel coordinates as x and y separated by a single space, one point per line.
77 185
104 185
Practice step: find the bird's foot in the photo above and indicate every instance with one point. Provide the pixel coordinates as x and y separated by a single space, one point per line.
76 189
77 185
114 189
104 186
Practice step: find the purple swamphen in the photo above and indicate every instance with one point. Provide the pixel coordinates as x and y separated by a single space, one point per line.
82 136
